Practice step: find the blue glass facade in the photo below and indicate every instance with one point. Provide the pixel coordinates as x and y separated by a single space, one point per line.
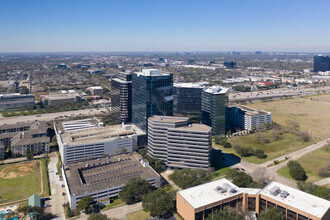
151 95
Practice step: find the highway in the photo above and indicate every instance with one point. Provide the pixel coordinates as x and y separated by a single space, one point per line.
277 93
50 116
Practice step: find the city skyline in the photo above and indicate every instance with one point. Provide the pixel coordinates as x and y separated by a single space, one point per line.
83 26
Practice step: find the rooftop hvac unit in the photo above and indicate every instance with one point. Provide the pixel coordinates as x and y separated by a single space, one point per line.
275 191
284 194
220 189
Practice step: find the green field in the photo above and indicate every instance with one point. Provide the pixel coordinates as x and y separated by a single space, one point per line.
20 180
140 215
311 112
285 144
311 162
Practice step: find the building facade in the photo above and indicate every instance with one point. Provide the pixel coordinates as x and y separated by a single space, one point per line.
96 90
178 143
214 101
60 98
321 63
88 138
2 151
187 99
245 118
152 93
103 178
121 98
200 202
16 101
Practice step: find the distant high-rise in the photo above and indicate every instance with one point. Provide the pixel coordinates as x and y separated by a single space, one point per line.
187 98
152 94
321 63
230 65
121 98
214 102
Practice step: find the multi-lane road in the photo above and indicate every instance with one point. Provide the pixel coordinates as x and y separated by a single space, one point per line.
51 116
277 93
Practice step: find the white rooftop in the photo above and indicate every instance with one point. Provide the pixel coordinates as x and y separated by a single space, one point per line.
96 87
191 85
151 72
207 193
216 90
298 199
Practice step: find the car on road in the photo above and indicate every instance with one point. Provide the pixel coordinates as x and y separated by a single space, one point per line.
242 169
47 205
38 115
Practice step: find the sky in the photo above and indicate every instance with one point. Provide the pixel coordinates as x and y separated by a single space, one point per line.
168 25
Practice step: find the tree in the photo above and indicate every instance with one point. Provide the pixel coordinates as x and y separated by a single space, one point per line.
97 216
311 188
262 138
297 172
186 178
84 203
260 174
226 213
23 90
276 133
135 190
271 214
158 203
259 153
242 179
29 155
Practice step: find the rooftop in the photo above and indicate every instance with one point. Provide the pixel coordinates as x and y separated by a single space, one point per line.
216 90
250 111
151 72
15 95
102 173
208 193
168 119
96 87
298 199
194 127
199 85
76 133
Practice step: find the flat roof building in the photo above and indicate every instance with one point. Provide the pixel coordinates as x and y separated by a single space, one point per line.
201 201
60 98
214 101
152 94
16 101
96 90
104 178
88 138
246 118
178 143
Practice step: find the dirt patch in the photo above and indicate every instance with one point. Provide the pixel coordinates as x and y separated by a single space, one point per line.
17 171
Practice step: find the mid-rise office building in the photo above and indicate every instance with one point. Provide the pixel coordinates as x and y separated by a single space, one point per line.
187 99
152 93
200 202
60 98
321 63
16 101
88 138
96 90
103 178
230 65
178 143
214 101
246 118
121 98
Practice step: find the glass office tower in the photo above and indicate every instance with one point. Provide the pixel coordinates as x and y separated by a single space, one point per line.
121 98
187 99
152 93
214 101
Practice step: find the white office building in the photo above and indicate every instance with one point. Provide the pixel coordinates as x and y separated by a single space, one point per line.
178 143
88 138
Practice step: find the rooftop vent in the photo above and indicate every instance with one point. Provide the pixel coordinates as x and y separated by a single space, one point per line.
284 194
275 191
220 189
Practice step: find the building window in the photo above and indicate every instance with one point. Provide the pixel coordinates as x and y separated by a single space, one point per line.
291 215
263 205
301 217
199 215
251 204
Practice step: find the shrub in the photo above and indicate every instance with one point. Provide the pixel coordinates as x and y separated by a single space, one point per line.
262 138
259 153
296 170
324 172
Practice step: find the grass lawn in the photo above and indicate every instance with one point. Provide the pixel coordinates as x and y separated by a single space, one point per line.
311 112
59 163
113 204
311 162
45 177
140 215
285 144
17 181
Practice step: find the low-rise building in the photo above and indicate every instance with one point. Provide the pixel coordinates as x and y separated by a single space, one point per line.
246 118
60 98
88 138
104 178
96 90
178 143
16 101
200 202
24 137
